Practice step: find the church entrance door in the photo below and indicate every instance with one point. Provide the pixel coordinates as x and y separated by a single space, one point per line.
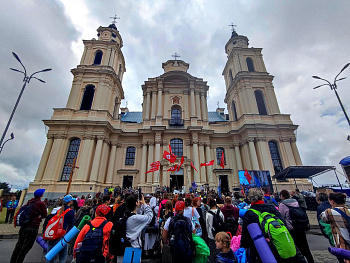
127 181
224 183
177 180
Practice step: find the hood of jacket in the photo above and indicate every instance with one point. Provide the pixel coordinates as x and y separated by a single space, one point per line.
290 202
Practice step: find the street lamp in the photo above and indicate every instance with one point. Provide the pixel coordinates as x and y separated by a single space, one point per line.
334 87
12 136
26 80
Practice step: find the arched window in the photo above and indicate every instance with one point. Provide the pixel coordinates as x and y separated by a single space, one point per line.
275 157
72 153
231 77
250 64
260 101
130 155
234 111
98 57
88 97
219 152
177 147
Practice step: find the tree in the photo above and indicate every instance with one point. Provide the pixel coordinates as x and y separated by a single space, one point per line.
5 186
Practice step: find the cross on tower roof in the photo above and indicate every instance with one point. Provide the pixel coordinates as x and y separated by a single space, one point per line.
175 56
232 27
114 19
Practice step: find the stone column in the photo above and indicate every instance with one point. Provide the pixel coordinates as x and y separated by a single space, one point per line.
193 104
148 102
150 160
166 104
102 173
209 168
143 163
195 159
238 157
54 163
204 107
118 163
160 96
235 177
97 158
246 156
157 157
40 173
198 106
253 156
85 158
296 152
186 107
154 104
165 176
289 152
202 160
188 179
111 164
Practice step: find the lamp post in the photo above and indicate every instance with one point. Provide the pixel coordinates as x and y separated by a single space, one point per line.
12 136
26 80
334 87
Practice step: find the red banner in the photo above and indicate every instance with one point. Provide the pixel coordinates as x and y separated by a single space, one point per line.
208 163
173 168
181 163
170 157
154 167
193 167
222 161
247 176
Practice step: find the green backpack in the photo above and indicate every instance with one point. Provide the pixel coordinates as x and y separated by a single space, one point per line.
274 229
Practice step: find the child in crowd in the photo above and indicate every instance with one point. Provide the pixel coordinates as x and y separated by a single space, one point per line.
223 242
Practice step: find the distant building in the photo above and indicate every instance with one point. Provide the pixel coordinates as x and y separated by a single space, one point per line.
114 146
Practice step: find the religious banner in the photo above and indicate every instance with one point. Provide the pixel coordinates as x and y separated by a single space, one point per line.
222 160
208 163
154 167
193 167
181 163
247 176
170 157
173 168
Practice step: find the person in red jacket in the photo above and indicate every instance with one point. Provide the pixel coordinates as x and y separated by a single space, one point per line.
27 234
101 212
229 210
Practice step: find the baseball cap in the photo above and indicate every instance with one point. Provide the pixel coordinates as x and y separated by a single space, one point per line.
67 198
180 205
39 192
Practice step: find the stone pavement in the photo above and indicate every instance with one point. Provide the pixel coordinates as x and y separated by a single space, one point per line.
323 256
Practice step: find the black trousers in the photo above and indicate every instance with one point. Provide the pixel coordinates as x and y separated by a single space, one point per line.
9 215
301 243
25 242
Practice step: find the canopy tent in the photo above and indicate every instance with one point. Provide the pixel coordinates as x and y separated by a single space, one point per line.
305 172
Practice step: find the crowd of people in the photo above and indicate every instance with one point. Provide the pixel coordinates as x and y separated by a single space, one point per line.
195 227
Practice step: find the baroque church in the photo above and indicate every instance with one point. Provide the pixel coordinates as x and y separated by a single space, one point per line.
115 147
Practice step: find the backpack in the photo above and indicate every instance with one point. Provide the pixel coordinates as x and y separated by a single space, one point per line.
54 229
218 224
279 237
162 211
231 225
181 241
22 216
196 224
300 221
344 215
118 240
91 247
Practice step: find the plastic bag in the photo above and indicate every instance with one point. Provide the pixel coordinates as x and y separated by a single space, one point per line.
235 243
202 250
241 255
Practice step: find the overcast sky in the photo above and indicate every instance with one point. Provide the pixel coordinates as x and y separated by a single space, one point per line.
299 39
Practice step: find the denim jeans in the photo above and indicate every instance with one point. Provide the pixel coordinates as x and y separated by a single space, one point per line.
62 255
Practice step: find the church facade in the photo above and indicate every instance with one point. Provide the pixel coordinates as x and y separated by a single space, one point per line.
114 146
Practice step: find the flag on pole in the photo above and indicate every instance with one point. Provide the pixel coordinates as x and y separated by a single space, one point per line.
208 163
154 167
169 156
181 163
173 168
193 167
247 176
222 160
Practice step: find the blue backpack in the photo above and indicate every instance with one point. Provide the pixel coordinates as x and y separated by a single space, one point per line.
22 217
91 247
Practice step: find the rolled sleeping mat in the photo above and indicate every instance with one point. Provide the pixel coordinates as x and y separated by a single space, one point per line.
260 243
62 243
41 242
242 212
83 222
339 252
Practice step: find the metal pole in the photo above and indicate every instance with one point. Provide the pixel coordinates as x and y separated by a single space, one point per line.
341 104
13 112
338 180
295 183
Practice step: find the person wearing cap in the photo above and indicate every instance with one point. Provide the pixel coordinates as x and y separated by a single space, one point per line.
100 217
68 223
27 234
169 227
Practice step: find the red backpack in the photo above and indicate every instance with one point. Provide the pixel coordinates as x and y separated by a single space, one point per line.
54 229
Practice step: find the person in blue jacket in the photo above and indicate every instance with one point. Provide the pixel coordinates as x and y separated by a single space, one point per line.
11 208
